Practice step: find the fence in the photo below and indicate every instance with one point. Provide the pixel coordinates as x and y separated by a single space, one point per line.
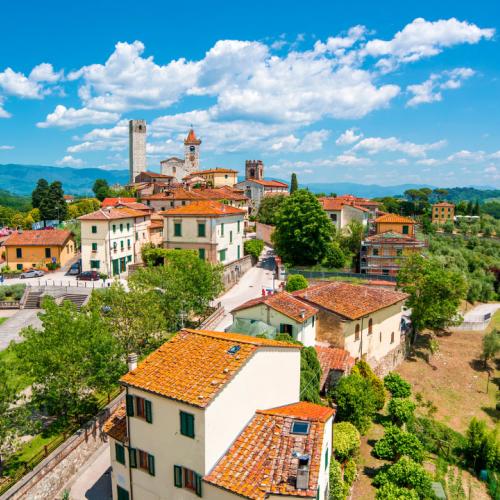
68 283
214 319
10 304
327 274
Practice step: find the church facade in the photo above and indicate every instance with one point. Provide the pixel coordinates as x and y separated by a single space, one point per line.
178 167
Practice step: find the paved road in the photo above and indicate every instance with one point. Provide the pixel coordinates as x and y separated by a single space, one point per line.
481 310
9 330
249 287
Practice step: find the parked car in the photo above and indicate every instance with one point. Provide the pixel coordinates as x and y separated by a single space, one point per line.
74 269
89 276
32 273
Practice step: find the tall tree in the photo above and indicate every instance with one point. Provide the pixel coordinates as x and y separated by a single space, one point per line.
303 229
268 209
53 206
294 183
39 193
101 189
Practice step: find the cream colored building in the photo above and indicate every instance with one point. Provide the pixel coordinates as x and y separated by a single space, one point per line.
213 229
215 177
364 320
112 239
341 212
194 416
283 312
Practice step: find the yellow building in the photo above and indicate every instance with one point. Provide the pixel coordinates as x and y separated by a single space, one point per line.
395 224
443 212
217 177
27 249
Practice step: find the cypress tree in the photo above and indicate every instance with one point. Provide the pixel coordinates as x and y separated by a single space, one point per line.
53 206
41 190
294 184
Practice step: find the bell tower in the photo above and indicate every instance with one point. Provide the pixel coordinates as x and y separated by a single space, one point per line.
254 169
192 152
137 147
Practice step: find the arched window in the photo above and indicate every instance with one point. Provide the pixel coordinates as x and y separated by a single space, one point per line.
370 326
380 336
392 338
356 332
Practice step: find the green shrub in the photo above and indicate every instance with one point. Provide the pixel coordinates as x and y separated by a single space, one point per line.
350 472
335 258
296 282
253 248
364 369
338 488
346 441
14 292
310 375
397 385
390 491
401 410
397 443
482 447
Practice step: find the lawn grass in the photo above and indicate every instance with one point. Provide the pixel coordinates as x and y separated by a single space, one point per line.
18 379
495 322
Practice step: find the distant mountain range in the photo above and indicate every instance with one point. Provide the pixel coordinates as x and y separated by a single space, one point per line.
21 179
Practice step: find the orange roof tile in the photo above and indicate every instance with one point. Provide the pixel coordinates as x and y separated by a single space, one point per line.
443 204
112 202
112 213
333 358
388 218
349 300
262 460
214 171
207 208
336 204
191 138
284 303
116 425
267 183
195 365
54 237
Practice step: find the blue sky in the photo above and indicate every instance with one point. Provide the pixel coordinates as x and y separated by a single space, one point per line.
370 92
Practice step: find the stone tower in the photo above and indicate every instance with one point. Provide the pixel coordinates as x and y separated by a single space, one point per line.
192 152
137 147
254 169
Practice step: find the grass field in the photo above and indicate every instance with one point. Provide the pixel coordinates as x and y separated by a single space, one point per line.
18 378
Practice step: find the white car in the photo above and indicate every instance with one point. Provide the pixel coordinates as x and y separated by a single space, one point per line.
32 273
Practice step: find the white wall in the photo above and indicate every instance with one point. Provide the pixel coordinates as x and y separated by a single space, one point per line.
119 473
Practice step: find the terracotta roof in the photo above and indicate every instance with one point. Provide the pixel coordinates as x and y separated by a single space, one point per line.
266 183
349 300
214 171
205 207
357 200
54 237
155 175
394 218
333 358
443 204
284 303
116 425
112 202
392 237
68 197
196 364
262 460
191 138
336 204
174 194
112 213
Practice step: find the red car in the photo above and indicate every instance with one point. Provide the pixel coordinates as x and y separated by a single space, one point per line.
89 276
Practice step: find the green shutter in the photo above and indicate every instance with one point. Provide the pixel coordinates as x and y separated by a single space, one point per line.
132 457
94 229
198 484
178 476
151 464
187 424
121 493
120 453
130 405
149 411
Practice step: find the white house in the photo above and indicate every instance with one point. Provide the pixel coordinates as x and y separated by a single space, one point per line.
257 189
213 229
112 238
342 212
283 312
199 416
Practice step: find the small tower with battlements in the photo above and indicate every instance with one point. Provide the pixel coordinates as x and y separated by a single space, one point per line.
192 152
254 169
137 147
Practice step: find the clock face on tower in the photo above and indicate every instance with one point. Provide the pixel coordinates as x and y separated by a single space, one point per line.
192 149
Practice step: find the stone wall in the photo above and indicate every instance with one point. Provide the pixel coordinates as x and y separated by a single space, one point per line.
392 359
234 271
48 477
330 329
264 233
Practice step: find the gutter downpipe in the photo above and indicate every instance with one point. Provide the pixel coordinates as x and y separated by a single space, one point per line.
129 446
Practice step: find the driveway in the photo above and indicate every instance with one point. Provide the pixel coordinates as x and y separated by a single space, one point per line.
481 311
9 330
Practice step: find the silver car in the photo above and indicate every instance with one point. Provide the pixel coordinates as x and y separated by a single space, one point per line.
32 273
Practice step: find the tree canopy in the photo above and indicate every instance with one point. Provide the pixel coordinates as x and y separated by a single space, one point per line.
268 209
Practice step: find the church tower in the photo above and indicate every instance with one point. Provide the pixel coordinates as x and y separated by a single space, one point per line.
254 169
137 147
192 152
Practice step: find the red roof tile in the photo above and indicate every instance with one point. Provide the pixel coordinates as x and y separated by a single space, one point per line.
349 300
206 208
284 303
116 425
112 213
388 218
333 358
303 410
55 237
267 183
112 202
214 171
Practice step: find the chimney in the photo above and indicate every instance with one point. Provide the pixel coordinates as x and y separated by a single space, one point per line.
302 313
132 361
302 471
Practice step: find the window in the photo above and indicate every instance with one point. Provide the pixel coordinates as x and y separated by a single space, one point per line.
370 326
187 424
48 253
178 229
201 230
405 229
129 258
222 255
114 228
399 252
139 407
333 217
142 460
222 229
19 253
122 494
128 243
186 478
120 453
392 337
357 330
94 229
94 247
122 244
375 251
128 226
285 328
300 427
313 320
19 267
121 228
327 457
239 223
380 336
230 236
95 264
238 252
385 272
201 253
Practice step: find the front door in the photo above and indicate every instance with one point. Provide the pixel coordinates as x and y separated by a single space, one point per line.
116 266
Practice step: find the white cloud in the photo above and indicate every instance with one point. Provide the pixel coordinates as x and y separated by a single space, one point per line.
491 169
44 72
18 85
6 148
429 162
70 161
71 117
375 145
466 156
430 90
348 137
335 43
312 141
422 38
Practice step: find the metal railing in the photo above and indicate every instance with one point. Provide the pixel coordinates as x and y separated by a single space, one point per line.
327 274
